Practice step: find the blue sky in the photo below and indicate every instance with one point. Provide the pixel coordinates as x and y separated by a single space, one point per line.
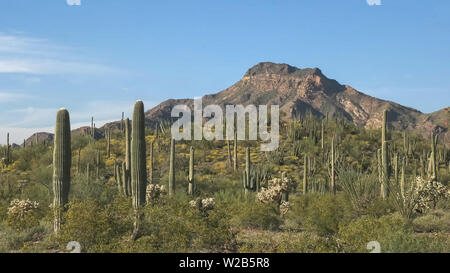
97 58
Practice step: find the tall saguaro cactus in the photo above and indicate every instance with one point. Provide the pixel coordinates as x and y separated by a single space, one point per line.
138 164
150 169
108 143
403 178
247 178
138 156
235 157
62 161
172 168
433 162
322 133
305 174
384 158
191 172
8 152
333 181
126 173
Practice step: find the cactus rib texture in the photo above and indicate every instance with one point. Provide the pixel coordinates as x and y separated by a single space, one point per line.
138 157
62 160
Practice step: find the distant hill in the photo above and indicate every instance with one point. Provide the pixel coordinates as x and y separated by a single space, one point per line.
299 91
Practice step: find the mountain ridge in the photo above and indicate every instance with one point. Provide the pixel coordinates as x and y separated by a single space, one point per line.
302 90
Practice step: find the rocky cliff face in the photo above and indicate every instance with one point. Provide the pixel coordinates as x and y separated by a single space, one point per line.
299 91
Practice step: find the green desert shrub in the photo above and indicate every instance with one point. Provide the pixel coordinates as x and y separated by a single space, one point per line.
393 233
13 240
177 227
434 221
284 242
94 225
253 215
321 214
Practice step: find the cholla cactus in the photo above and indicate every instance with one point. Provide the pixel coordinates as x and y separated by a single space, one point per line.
284 208
419 196
429 193
22 214
203 205
154 192
275 190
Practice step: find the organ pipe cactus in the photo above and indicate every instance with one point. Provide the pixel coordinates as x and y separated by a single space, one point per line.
172 168
191 172
62 161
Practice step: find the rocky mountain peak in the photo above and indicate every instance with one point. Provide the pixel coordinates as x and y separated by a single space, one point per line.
268 68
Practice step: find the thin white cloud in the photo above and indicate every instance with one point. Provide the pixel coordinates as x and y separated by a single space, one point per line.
102 111
73 2
48 66
27 55
373 2
10 97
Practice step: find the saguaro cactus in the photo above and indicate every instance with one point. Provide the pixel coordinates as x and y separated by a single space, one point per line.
98 164
380 172
8 151
333 182
92 127
122 127
108 143
305 174
235 157
403 178
124 185
433 162
172 168
88 172
79 161
384 158
322 133
138 156
228 154
62 161
191 172
150 169
126 174
138 164
249 180
395 159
